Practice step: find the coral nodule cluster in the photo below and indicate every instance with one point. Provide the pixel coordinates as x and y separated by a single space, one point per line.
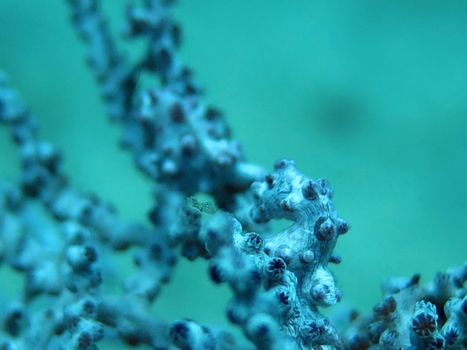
63 240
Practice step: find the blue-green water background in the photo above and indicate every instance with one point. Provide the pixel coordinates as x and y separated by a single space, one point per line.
369 94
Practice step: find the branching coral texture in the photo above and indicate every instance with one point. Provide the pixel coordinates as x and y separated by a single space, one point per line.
62 240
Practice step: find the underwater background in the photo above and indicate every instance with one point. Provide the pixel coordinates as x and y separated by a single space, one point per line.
371 95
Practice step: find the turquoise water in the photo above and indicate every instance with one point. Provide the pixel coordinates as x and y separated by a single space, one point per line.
371 95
